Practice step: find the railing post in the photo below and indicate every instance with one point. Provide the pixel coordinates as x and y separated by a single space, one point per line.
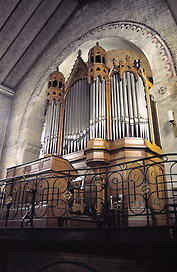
30 213
145 193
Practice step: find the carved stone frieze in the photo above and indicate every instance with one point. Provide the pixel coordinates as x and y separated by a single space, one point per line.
165 91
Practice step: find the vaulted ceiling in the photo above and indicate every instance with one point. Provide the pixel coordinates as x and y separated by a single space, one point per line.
26 28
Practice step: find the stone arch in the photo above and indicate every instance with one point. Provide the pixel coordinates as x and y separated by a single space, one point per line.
67 266
145 38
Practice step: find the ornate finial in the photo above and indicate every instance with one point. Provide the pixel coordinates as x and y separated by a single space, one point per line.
79 53
137 63
97 43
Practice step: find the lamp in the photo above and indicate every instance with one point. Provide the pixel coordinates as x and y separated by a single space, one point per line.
172 121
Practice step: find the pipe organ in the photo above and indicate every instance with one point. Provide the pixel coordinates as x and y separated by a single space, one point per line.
102 115
97 102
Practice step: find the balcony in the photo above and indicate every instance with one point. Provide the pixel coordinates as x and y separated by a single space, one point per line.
137 193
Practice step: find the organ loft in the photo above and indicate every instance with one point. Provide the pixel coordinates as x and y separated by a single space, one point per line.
102 116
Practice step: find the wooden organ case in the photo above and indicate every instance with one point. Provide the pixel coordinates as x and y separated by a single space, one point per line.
102 116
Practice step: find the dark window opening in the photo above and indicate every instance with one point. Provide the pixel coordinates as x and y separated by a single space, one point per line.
92 59
98 69
55 83
98 59
49 84
103 60
60 85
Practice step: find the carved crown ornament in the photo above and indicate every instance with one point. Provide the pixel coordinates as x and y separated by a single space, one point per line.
95 67
79 71
122 66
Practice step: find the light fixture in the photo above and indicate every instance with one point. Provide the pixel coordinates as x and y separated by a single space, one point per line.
172 121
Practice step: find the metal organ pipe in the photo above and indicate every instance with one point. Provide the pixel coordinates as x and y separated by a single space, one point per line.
98 108
76 120
142 109
129 110
130 104
115 105
122 108
52 127
94 110
103 110
135 105
117 95
126 113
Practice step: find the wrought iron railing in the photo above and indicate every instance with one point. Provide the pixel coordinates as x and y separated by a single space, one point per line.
134 193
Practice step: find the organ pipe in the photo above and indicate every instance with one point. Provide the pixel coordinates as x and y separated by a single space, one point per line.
98 109
76 120
55 94
129 107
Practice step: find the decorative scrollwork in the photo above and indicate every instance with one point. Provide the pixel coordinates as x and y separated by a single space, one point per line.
59 208
60 184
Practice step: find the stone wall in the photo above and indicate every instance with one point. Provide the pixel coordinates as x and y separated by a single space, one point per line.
5 104
28 103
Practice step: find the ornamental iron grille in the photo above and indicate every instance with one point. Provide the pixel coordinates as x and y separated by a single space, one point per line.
135 193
